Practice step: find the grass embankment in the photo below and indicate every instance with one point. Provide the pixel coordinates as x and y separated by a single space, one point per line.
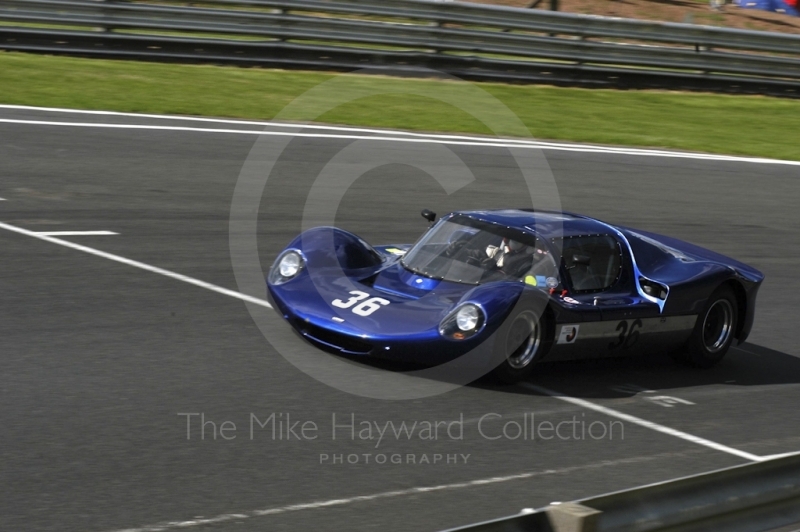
745 125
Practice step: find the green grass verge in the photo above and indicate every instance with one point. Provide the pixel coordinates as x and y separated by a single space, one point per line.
744 125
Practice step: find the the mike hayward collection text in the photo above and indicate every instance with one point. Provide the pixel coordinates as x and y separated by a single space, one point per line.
492 426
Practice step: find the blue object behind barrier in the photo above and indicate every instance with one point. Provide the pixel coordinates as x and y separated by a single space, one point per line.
778 6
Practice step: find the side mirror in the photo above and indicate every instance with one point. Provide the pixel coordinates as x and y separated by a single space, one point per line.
428 215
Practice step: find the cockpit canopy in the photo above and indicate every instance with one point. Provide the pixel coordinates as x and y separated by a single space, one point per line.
466 250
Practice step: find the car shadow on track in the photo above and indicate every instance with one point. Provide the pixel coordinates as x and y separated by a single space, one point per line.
745 365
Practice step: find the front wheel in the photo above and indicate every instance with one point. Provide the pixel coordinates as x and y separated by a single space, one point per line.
713 333
519 343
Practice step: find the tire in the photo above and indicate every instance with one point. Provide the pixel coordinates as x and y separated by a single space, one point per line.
519 343
714 331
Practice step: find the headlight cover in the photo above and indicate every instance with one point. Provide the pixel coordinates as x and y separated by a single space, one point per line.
464 322
467 318
288 266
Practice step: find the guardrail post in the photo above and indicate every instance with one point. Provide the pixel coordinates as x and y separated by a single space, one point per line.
573 517
281 12
104 28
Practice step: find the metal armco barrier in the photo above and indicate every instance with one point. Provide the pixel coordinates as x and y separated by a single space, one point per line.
466 40
748 498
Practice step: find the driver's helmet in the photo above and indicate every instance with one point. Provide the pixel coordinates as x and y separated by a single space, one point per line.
512 245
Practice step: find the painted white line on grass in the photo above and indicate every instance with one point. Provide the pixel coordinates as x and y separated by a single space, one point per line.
224 518
137 264
644 423
76 233
470 141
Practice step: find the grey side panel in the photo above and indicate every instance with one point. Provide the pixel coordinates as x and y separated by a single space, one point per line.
600 339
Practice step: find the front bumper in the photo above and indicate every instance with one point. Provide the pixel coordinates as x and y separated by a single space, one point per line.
427 348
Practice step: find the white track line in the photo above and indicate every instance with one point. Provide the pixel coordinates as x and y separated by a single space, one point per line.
392 132
257 132
647 424
137 264
76 233
264 123
435 139
261 123
781 455
223 518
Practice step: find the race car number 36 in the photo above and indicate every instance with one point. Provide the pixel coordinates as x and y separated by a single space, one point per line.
364 308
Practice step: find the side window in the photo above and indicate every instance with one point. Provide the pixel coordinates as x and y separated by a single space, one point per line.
592 262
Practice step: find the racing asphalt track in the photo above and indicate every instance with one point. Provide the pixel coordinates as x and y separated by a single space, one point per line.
98 358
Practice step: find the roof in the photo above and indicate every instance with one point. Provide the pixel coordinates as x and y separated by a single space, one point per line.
548 224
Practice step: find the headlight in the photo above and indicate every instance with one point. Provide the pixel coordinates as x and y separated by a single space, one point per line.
464 322
467 317
290 265
287 267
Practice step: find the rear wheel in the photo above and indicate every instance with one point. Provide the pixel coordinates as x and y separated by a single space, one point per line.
519 343
713 333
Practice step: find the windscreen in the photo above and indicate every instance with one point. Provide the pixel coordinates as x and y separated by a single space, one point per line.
464 250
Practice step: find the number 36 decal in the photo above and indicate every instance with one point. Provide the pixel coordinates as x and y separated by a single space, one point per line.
364 308
627 336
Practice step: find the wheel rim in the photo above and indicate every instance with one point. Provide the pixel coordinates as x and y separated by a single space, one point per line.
524 337
718 325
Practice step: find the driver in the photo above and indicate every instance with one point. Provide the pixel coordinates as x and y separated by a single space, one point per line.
511 257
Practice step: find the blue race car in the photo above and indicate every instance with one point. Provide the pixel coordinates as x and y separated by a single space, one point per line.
516 287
